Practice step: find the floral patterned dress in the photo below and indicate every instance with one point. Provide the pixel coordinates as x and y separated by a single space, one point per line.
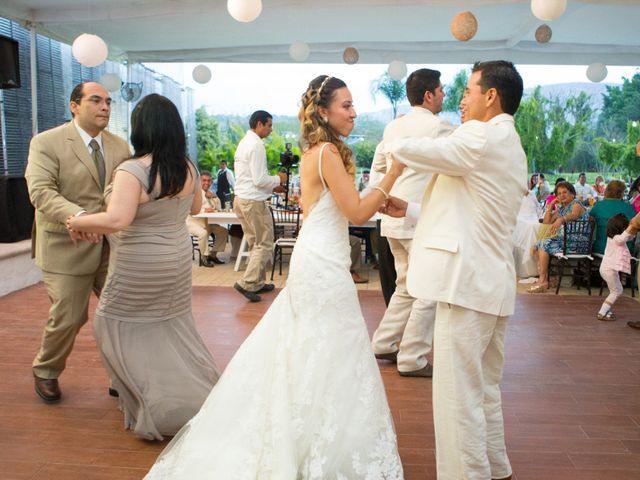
554 246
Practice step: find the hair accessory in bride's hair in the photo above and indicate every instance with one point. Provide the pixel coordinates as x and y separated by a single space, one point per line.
324 82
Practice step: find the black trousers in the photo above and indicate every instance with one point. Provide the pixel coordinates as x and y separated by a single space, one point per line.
387 269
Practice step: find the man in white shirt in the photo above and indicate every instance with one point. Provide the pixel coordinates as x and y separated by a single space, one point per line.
583 189
201 228
405 333
225 183
253 190
462 258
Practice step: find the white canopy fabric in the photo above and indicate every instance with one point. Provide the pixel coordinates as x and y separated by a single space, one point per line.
606 31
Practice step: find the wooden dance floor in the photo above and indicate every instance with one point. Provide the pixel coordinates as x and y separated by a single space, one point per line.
571 392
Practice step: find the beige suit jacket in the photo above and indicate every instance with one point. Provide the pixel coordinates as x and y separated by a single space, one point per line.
410 186
462 248
62 180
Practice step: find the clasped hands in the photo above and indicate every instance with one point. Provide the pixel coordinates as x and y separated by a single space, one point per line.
78 235
394 207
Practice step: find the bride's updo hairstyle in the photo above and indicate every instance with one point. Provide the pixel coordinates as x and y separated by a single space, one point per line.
313 128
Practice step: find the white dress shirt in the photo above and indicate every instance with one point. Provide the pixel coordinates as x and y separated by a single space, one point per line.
410 186
86 138
253 181
583 191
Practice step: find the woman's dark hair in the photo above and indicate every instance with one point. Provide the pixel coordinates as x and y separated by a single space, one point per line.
533 181
617 224
635 186
157 130
560 180
566 186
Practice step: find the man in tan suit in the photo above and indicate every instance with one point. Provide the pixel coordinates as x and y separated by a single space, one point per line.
462 258
66 174
405 333
202 229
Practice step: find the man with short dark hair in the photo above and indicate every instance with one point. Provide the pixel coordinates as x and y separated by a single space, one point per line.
462 258
253 191
583 189
68 169
405 333
225 182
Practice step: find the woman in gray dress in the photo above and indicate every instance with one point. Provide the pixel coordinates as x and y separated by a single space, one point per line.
143 325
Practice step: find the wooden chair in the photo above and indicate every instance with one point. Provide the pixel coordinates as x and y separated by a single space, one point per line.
576 252
286 225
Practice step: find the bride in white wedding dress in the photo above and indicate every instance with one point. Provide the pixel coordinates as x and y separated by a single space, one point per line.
303 399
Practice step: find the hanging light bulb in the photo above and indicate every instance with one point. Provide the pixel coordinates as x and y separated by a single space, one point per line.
548 10
244 10
299 51
596 72
397 69
89 50
201 74
350 55
543 34
464 26
111 82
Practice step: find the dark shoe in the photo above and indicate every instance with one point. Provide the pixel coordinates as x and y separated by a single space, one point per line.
390 357
216 260
48 389
251 296
634 325
358 279
427 372
207 262
607 317
113 392
267 287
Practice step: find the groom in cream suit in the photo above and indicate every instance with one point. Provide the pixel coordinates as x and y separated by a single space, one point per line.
405 333
461 257
66 174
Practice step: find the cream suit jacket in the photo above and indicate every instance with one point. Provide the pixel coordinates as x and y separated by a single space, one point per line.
62 180
462 248
410 186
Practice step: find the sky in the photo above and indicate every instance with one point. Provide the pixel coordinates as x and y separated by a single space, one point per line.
243 88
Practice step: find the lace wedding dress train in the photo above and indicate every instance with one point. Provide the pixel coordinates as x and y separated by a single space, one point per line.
303 398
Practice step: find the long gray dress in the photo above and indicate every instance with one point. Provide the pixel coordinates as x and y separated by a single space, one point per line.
143 325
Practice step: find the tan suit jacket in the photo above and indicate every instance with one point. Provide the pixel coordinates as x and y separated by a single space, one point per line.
462 248
62 180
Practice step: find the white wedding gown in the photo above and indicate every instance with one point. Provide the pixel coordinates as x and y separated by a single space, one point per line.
302 399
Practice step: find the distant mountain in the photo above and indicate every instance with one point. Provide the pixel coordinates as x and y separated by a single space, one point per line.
565 90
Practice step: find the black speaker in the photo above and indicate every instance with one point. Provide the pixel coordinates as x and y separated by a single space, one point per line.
16 211
9 63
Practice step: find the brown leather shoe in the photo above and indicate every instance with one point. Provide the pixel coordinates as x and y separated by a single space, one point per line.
48 389
426 371
358 279
505 478
635 324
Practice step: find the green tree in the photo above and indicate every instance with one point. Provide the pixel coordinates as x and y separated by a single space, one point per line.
551 129
455 91
391 89
620 105
207 134
363 153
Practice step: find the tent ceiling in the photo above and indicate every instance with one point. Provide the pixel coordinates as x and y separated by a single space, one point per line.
411 30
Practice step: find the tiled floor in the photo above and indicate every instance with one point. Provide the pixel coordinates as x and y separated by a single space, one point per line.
571 392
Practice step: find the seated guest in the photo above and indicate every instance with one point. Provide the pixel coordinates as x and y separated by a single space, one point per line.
544 189
634 195
533 182
599 186
356 259
552 197
564 208
583 189
199 227
611 205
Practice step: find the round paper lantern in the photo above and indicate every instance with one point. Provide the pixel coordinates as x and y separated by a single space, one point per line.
244 10
543 34
201 74
596 72
299 51
90 50
111 82
397 69
350 55
548 10
464 26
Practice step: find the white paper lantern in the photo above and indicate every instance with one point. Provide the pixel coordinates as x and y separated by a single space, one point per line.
548 10
299 51
350 55
464 26
397 69
201 74
543 34
111 82
596 72
90 50
244 10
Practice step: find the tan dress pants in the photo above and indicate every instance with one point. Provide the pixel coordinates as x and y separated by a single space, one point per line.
69 296
200 228
257 224
407 324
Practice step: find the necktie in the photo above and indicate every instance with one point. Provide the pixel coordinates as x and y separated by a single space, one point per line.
98 159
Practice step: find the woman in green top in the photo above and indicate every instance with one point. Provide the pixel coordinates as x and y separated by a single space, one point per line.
611 205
